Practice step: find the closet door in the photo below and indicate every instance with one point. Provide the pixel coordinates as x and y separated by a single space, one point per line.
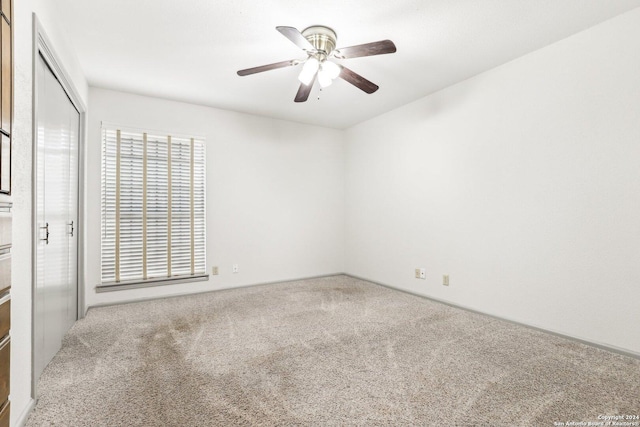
72 217
56 214
42 226
56 176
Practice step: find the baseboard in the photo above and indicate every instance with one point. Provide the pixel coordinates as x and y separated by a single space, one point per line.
22 419
182 294
607 347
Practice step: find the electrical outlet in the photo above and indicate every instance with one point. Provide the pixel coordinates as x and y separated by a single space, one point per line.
423 274
417 273
214 270
235 268
445 280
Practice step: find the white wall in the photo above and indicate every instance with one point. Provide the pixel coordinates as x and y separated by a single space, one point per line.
21 185
275 192
522 183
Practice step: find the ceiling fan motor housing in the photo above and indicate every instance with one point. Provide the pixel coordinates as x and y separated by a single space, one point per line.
322 38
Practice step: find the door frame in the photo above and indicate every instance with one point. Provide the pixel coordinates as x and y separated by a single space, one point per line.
42 46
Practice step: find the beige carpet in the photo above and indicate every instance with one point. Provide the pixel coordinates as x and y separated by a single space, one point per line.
331 351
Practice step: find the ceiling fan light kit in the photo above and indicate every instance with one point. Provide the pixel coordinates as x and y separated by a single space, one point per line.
319 43
309 70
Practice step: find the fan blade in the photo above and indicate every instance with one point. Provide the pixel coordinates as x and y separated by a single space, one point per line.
304 90
268 67
296 37
367 49
357 80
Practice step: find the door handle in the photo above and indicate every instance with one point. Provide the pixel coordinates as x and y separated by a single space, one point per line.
46 227
71 232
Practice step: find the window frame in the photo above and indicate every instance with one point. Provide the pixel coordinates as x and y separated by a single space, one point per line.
175 278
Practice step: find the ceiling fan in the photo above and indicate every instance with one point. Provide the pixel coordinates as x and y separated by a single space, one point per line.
319 43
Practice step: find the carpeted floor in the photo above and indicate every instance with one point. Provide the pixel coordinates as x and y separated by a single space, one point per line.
331 351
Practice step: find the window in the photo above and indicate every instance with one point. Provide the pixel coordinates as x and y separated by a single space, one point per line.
153 206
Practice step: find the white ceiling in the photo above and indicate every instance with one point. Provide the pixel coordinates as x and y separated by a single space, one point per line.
190 50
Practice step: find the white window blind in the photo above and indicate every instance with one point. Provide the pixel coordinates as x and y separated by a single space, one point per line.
153 206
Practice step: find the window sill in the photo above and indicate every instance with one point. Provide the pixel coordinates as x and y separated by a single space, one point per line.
136 284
